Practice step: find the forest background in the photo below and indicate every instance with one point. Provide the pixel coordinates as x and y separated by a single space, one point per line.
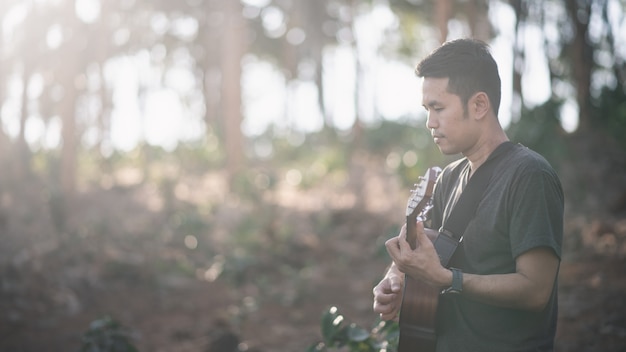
214 175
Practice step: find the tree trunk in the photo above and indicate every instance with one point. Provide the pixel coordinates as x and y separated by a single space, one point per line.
582 60
23 161
521 14
104 119
359 75
443 10
478 19
69 149
4 64
233 48
71 64
211 73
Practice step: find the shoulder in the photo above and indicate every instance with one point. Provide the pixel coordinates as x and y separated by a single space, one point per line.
525 161
525 169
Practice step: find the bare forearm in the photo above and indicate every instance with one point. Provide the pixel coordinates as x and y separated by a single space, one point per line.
506 290
529 288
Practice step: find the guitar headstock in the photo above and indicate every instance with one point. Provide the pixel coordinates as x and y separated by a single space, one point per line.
420 201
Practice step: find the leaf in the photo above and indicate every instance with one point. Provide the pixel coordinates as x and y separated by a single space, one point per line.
318 347
357 333
331 325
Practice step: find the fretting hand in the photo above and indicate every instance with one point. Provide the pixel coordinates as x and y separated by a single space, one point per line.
421 263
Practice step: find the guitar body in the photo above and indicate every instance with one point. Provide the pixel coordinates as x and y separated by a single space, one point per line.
419 301
417 317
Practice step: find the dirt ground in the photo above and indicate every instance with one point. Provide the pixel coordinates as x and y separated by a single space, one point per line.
125 253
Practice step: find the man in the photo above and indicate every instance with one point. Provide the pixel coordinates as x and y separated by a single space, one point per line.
509 255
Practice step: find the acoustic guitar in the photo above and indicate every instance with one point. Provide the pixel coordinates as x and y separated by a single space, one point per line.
419 302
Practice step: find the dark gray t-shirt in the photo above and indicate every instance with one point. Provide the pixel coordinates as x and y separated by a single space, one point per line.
521 209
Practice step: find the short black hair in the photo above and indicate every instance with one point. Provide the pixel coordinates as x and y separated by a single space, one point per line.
468 65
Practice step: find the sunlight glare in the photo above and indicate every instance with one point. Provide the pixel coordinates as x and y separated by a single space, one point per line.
216 269
88 11
52 136
191 242
54 36
126 128
296 36
256 3
34 130
293 177
339 68
536 78
393 160
263 88
163 118
569 115
398 93
12 19
273 20
410 158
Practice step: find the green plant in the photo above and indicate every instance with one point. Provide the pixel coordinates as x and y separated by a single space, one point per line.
107 335
337 334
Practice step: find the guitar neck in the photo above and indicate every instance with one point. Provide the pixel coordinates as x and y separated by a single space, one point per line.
411 231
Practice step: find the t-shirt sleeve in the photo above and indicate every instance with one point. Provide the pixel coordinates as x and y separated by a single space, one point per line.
536 211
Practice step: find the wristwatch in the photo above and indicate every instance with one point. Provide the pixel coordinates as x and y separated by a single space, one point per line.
457 282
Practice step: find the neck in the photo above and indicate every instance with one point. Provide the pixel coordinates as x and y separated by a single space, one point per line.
483 148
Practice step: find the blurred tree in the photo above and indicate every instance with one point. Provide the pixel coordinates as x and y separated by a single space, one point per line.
210 18
61 57
580 51
5 62
28 51
71 54
442 14
294 36
314 21
580 46
418 16
233 47
521 15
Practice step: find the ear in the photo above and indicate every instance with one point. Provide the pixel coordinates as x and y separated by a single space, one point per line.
479 105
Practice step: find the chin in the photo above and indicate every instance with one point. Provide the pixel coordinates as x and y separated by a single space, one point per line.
448 151
445 150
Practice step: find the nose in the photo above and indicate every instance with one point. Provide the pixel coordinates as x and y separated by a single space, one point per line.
431 122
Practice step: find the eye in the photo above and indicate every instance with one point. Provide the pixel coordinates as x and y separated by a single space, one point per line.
433 107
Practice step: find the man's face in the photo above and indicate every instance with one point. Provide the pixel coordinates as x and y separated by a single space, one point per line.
451 127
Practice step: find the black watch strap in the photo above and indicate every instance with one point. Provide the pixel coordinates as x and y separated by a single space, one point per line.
457 282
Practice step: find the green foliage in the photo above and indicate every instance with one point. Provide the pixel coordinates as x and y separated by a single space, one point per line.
381 250
328 152
189 222
386 136
409 143
251 183
201 155
611 111
107 335
337 334
540 129
238 265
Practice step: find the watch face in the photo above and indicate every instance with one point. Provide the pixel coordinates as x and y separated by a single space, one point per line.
450 290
